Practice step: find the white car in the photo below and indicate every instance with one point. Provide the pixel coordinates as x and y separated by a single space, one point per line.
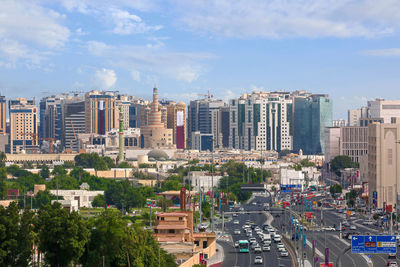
266 248
328 228
236 244
236 222
353 227
258 260
284 253
252 240
236 232
277 238
257 249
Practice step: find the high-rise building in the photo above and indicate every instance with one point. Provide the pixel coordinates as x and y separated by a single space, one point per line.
203 117
261 121
312 113
51 116
354 116
23 125
354 142
3 115
155 134
385 109
101 112
124 104
176 120
223 135
73 123
332 142
383 162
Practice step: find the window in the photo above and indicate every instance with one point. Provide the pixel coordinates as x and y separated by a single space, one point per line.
180 218
162 218
171 231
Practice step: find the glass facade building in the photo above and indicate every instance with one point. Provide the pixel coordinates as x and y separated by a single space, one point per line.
311 115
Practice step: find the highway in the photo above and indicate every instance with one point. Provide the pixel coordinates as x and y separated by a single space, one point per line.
234 258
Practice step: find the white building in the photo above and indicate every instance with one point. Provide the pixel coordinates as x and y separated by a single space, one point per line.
261 121
332 142
203 179
83 197
290 179
385 109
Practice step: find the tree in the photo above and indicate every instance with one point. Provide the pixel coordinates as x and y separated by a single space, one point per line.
92 160
62 236
335 189
171 185
16 236
45 172
341 162
125 165
43 198
164 203
99 201
3 184
306 163
206 209
123 195
59 170
3 158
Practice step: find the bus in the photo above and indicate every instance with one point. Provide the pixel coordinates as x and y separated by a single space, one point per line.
243 246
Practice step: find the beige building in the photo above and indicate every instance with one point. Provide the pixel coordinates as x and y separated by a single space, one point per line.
385 109
176 120
383 162
3 115
24 123
154 134
354 142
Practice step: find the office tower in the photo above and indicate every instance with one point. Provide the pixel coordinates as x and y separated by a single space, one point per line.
101 112
176 120
383 162
261 121
23 125
51 116
385 109
155 134
354 116
3 115
312 113
73 123
332 142
135 111
203 117
354 142
223 135
124 104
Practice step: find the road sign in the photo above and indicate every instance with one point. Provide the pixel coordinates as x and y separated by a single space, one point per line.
378 244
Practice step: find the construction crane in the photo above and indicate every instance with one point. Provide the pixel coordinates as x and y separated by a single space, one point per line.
36 137
208 95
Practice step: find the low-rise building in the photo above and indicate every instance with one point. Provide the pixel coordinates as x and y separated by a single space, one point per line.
203 180
84 197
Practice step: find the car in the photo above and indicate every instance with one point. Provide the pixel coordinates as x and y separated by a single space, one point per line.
346 223
249 234
277 238
254 245
284 253
236 244
236 222
234 215
258 260
328 228
252 240
257 249
236 232
392 264
280 247
353 227
266 248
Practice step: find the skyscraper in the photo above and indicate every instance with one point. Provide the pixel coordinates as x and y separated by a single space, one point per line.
23 125
176 120
3 115
101 112
155 134
51 116
73 123
312 114
262 121
203 117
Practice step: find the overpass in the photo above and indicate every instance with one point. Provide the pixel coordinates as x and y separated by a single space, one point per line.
254 187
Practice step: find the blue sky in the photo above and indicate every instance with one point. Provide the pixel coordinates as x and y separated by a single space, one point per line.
349 49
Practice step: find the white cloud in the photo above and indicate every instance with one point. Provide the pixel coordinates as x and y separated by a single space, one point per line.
389 52
105 78
152 61
80 32
290 18
126 23
97 48
135 75
28 32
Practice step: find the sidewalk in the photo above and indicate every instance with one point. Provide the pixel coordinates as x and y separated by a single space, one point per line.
217 259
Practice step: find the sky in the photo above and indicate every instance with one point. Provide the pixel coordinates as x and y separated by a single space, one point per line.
349 49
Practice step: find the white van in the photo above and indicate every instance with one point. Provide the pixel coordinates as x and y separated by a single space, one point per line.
267 239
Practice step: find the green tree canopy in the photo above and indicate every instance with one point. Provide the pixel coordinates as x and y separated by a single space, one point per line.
341 162
335 189
99 201
93 160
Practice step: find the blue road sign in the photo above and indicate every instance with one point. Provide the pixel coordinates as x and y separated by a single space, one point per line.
378 244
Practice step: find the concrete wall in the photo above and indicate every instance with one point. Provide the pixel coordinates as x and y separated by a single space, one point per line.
195 259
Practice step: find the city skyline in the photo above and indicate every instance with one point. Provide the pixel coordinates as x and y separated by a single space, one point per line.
188 48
